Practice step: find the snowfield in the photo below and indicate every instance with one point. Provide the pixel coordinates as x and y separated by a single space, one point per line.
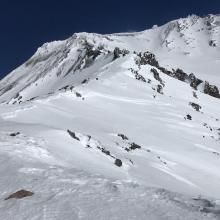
97 130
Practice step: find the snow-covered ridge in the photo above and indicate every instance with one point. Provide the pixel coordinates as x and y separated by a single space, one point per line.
191 44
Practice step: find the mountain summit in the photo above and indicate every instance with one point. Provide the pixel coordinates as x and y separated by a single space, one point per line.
191 44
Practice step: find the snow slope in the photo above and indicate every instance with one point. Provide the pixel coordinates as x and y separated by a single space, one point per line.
108 133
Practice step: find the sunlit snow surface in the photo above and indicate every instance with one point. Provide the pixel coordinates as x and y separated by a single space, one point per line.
173 175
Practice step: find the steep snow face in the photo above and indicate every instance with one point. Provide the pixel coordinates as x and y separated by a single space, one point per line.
92 126
52 66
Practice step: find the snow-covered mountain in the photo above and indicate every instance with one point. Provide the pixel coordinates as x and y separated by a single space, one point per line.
95 124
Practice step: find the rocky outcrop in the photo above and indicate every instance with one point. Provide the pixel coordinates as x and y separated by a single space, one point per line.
180 75
91 54
14 134
194 82
165 71
147 58
138 76
88 142
124 137
118 162
118 53
134 146
212 43
73 135
160 89
157 76
189 117
211 90
20 194
197 107
78 94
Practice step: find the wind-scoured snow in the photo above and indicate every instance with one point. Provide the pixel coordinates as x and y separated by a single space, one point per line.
97 130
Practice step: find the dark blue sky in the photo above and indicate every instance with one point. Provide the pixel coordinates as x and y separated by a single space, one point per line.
25 24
